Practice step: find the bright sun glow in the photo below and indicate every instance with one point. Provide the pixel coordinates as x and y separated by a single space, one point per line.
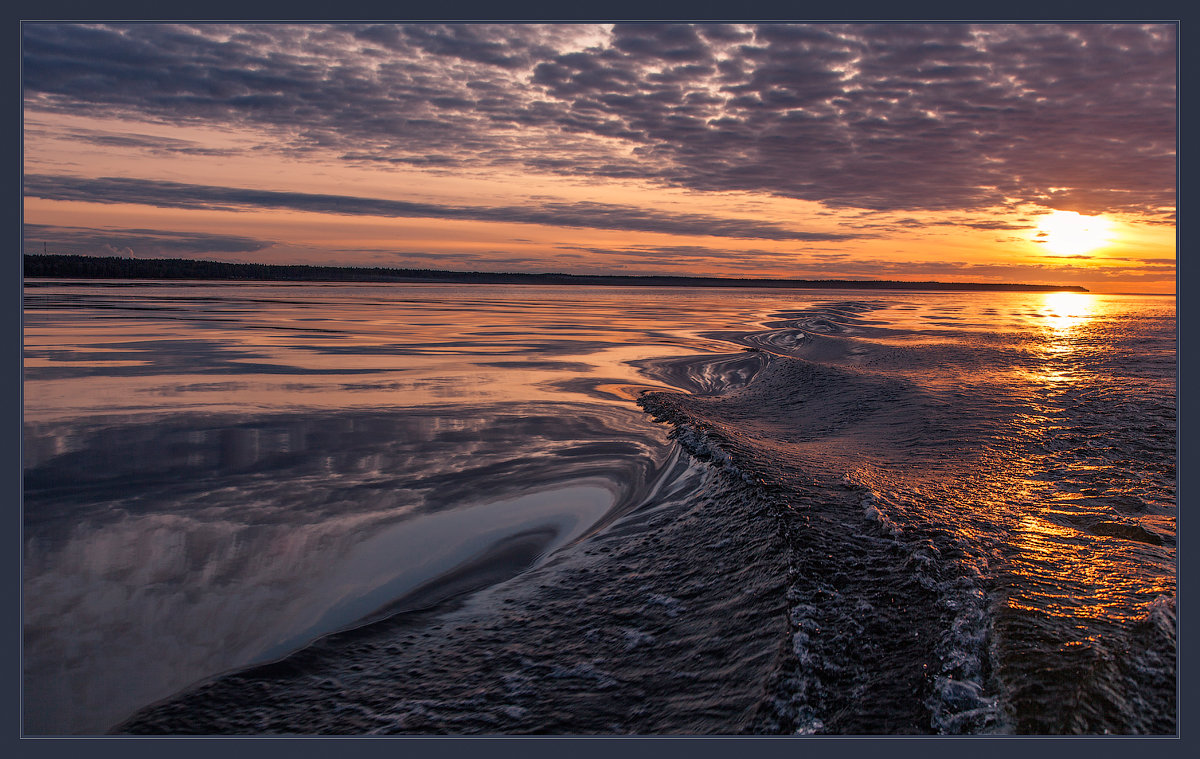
1068 233
1065 311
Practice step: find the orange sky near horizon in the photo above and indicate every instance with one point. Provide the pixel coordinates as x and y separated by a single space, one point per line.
560 155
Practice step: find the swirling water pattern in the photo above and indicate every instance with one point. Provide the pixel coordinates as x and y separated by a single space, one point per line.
413 509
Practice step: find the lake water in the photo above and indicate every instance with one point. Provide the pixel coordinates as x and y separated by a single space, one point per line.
364 508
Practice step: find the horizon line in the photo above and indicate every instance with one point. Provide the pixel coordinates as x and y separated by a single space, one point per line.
425 274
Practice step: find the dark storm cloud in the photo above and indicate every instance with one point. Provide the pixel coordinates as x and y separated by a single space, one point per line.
885 117
152 242
576 214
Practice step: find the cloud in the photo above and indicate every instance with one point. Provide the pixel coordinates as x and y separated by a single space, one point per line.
1055 271
485 261
575 214
888 117
691 255
149 143
128 242
996 225
683 259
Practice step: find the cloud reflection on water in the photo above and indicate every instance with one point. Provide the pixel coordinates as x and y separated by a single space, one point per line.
219 542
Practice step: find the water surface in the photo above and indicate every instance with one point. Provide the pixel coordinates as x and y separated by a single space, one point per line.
440 508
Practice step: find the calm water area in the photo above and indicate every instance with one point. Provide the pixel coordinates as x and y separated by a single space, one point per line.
388 508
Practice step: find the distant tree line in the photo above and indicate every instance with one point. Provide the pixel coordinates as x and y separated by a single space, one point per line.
113 267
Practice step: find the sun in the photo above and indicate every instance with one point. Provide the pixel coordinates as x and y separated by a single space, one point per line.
1068 233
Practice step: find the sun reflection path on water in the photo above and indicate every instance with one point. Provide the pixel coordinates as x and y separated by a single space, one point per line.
1070 500
1061 326
1072 553
1065 311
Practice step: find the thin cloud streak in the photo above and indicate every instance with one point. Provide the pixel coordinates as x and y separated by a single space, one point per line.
113 190
127 242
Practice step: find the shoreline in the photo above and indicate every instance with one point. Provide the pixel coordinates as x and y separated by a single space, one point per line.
55 266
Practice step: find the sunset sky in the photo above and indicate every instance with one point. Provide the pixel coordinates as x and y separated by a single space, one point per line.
1037 153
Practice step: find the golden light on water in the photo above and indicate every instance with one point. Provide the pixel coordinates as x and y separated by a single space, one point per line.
1064 311
1062 315
1059 530
1067 233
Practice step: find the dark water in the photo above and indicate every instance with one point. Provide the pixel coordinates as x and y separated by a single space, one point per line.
439 509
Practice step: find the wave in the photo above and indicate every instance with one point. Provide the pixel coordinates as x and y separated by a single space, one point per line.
858 536
888 619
